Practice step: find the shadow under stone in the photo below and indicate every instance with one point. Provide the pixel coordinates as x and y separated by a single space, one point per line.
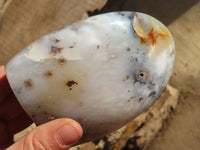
164 10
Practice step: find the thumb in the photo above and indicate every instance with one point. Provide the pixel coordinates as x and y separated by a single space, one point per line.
58 134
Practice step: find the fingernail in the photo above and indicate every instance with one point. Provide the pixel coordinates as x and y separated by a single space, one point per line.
68 135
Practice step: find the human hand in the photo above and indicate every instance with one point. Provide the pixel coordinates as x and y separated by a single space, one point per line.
56 135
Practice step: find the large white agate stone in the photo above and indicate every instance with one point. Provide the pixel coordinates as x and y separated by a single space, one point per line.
102 71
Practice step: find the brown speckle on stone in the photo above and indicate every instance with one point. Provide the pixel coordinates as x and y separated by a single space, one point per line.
71 46
28 83
55 50
128 49
71 83
130 99
141 98
57 40
48 73
62 61
127 77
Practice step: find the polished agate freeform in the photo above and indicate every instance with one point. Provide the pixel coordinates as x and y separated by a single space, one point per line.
102 71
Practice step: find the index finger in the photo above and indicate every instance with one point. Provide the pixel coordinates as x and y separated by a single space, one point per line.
4 85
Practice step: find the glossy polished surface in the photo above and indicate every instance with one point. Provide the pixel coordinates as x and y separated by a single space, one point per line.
102 71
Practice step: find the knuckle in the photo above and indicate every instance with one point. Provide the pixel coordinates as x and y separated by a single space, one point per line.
34 142
31 142
38 145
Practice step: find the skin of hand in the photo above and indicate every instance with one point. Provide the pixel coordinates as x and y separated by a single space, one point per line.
59 134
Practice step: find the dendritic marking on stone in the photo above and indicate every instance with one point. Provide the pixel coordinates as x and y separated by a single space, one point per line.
152 94
71 83
28 83
130 99
142 75
128 49
56 50
48 74
62 61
